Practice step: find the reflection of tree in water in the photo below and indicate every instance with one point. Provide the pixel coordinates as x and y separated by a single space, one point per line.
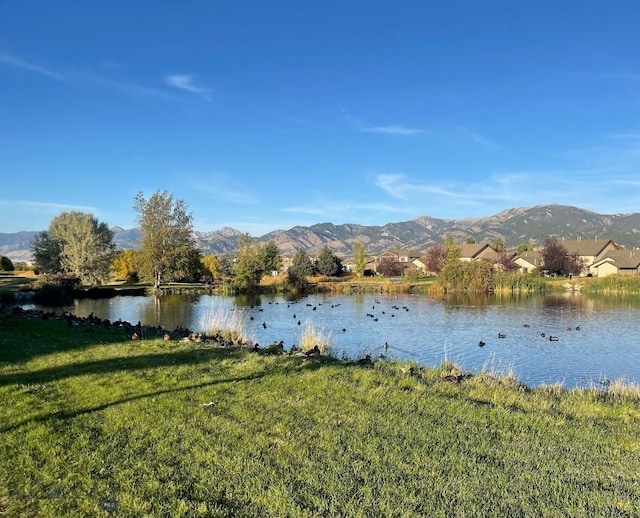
169 311
244 300
479 300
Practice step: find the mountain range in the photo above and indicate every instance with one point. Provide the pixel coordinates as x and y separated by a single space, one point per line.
513 226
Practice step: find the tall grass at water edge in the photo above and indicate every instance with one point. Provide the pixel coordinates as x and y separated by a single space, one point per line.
312 336
613 285
231 326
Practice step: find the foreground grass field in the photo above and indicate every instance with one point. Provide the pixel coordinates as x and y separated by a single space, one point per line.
91 425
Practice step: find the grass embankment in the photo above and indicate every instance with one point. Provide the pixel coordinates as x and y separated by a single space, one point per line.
94 426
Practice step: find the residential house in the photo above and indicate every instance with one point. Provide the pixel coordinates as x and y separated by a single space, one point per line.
590 251
398 255
476 251
419 265
617 262
528 261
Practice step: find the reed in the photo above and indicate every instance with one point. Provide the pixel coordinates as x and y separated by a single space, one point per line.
312 336
613 285
229 325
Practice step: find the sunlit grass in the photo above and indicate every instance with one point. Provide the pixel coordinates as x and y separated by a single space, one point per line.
94 426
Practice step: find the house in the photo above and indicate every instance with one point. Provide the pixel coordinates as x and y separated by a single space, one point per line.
476 251
398 255
617 262
528 261
419 265
590 250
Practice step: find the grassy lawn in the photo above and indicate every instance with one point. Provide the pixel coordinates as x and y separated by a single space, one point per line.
91 425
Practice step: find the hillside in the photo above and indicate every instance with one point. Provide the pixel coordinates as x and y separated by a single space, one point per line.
513 226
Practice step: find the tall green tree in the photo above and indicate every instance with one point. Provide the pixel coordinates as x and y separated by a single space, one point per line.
78 244
6 264
46 253
301 265
271 259
452 250
328 263
359 257
167 245
248 267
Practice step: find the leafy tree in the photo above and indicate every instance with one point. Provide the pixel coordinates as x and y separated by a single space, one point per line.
359 257
470 240
328 263
226 266
558 261
248 267
76 244
390 268
301 265
505 262
435 258
524 247
498 245
452 250
194 271
6 265
270 257
167 244
474 276
46 253
125 265
212 267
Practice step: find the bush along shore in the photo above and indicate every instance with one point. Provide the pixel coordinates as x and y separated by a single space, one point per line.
98 424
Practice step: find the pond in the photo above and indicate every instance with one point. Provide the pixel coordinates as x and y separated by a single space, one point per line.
594 340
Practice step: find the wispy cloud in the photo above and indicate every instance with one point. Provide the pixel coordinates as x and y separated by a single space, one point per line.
81 78
186 83
490 193
122 86
328 208
221 187
479 139
388 129
14 61
393 130
45 207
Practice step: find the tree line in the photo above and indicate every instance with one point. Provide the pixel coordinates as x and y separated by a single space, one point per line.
79 248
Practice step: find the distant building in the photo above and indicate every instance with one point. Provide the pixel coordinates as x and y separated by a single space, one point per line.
528 261
617 262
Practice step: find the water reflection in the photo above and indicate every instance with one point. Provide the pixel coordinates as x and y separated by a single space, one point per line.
597 337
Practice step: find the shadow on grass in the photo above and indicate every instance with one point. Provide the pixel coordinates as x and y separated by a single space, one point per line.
24 338
119 364
64 415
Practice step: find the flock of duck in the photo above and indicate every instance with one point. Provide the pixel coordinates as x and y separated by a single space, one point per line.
140 331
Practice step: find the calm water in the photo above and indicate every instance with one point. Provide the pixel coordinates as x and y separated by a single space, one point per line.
598 339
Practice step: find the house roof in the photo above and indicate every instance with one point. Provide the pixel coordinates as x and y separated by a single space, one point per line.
472 250
624 259
530 256
402 252
586 247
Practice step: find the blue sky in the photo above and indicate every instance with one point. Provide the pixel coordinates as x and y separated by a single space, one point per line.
266 115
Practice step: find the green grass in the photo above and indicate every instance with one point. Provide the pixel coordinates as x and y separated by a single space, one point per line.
91 425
